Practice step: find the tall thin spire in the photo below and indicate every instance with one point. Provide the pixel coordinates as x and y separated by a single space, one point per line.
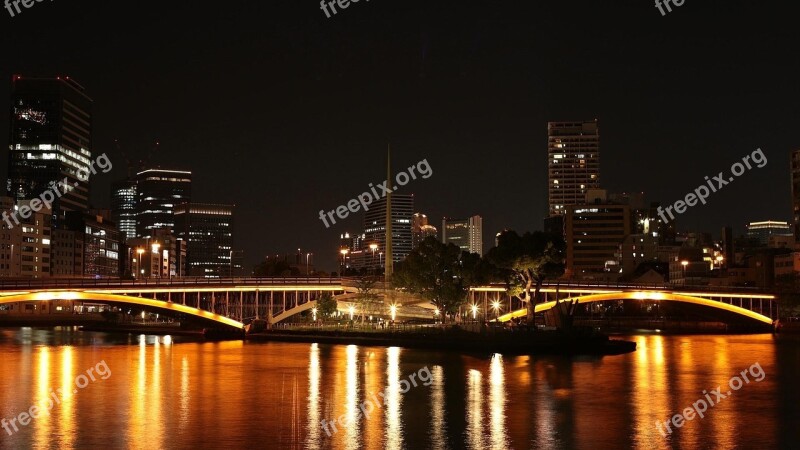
388 267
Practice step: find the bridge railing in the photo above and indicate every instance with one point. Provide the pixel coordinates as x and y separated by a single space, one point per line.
662 286
62 283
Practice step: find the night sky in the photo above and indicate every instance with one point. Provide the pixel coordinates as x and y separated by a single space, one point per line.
284 112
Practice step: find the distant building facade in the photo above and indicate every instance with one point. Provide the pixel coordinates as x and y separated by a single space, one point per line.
208 231
158 192
467 234
573 161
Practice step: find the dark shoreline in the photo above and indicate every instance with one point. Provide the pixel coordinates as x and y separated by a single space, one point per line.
518 343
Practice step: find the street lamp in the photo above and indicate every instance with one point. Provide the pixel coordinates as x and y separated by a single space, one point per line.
474 312
140 252
314 312
352 311
684 263
344 253
307 255
373 247
393 310
496 307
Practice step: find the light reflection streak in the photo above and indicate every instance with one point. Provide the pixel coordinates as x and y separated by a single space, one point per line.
43 399
67 397
497 403
394 400
185 396
314 378
474 406
438 426
353 424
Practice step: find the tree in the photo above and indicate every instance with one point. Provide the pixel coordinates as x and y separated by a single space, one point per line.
326 305
528 261
366 298
441 273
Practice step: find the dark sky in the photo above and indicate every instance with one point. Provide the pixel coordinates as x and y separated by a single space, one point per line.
285 112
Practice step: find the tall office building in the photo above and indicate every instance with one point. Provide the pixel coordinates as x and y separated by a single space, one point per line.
573 161
123 207
594 234
421 229
795 167
158 192
208 232
763 230
375 226
50 139
467 234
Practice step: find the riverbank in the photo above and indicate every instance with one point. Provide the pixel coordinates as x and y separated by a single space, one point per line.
513 343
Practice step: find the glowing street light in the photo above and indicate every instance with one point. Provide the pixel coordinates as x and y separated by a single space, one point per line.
496 307
352 311
474 311
393 310
314 313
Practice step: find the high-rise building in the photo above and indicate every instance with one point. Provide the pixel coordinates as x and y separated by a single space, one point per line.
421 229
158 192
795 167
162 255
763 230
375 226
100 239
50 139
573 161
467 234
208 232
123 207
594 234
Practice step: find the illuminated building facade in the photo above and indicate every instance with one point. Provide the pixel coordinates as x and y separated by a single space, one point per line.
50 139
208 231
123 207
466 234
158 192
375 229
573 161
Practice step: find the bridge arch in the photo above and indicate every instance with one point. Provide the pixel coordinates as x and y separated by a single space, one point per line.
644 295
44 296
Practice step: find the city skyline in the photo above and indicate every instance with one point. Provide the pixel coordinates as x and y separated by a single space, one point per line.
651 141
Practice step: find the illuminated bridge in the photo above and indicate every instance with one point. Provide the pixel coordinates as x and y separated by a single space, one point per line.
231 302
742 304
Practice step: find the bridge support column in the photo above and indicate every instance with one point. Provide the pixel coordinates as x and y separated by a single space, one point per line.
213 302
270 312
256 304
184 298
227 305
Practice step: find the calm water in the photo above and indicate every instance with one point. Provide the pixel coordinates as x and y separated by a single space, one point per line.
161 394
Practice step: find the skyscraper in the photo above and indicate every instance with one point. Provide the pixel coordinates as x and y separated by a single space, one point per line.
50 139
467 234
421 229
158 192
795 167
402 210
123 207
573 161
208 230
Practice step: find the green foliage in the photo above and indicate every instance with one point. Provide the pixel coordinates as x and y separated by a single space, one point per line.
326 305
442 274
367 299
527 261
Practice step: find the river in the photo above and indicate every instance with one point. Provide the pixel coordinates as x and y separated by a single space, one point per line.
148 392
